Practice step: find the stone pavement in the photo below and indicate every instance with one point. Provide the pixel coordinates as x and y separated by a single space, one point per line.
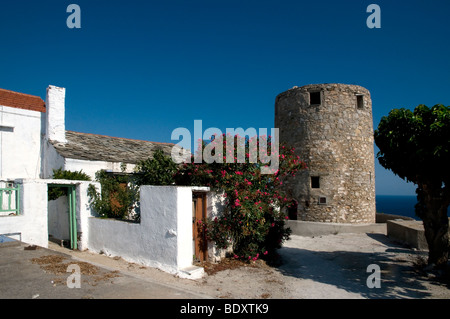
25 274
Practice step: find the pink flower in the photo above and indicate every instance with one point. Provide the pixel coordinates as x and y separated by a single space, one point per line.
266 252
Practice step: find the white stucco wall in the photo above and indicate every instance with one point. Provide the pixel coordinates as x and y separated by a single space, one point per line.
20 143
58 218
53 161
162 240
32 223
92 167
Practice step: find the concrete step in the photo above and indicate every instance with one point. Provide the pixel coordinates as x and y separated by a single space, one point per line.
191 272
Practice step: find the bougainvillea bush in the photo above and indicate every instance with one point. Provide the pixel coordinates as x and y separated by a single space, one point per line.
253 223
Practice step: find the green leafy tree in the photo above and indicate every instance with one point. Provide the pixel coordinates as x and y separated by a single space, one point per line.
415 145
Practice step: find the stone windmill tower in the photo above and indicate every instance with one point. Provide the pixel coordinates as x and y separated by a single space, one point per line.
331 128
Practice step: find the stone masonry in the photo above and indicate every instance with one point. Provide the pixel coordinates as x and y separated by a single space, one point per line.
331 128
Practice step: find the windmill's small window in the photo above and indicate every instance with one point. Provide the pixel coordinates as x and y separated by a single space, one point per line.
315 98
360 101
315 182
322 200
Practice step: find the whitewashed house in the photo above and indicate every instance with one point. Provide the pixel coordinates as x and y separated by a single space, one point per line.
34 141
22 127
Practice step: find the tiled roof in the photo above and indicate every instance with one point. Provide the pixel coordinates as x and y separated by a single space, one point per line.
94 147
21 101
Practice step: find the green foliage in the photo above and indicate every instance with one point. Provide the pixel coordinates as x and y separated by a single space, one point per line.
119 196
158 170
415 145
252 221
56 192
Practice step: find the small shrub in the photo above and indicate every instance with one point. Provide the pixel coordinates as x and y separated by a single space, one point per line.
118 198
159 170
56 192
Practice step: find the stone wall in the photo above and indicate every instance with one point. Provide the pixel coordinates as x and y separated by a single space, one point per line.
331 128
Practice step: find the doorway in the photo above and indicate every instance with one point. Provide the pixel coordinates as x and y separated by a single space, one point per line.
66 215
199 241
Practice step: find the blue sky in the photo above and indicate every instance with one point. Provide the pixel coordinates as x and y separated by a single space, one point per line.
139 69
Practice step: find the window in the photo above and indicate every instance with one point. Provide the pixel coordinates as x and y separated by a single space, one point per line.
322 200
315 182
360 101
6 128
315 98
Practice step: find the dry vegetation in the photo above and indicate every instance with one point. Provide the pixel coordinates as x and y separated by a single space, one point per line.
55 264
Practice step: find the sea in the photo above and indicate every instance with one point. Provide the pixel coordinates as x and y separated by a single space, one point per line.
398 205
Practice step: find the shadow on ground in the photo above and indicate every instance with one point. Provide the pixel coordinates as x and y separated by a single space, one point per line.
347 270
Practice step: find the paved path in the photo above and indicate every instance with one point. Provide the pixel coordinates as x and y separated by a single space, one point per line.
336 267
333 266
21 278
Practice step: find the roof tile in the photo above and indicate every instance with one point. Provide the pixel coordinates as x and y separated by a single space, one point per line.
95 147
21 101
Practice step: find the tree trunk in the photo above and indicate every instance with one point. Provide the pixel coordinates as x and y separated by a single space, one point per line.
432 207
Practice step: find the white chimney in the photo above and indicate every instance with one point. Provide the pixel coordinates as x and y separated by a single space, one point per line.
55 104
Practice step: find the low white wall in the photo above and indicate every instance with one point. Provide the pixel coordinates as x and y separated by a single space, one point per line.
163 239
311 229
